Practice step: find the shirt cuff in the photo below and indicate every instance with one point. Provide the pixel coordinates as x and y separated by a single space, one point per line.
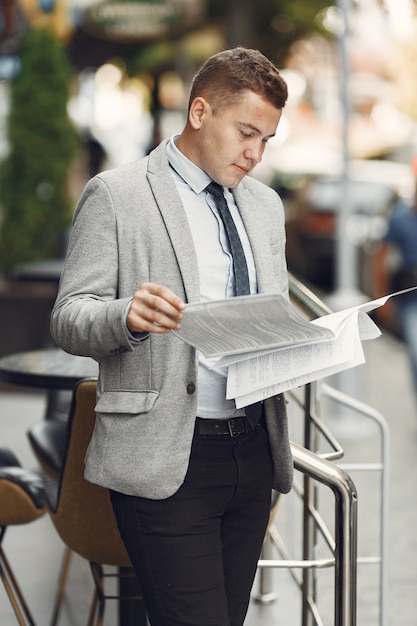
133 337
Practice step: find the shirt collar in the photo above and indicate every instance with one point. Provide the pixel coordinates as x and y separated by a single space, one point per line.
195 177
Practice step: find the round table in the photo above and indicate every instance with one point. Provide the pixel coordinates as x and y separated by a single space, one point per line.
51 368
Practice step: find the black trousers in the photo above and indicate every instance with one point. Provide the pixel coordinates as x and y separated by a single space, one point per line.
196 553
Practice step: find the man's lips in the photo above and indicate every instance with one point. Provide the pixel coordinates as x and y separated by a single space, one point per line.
243 170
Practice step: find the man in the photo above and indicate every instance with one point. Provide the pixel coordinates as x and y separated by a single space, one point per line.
190 476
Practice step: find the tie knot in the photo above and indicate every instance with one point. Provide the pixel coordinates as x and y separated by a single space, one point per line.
215 189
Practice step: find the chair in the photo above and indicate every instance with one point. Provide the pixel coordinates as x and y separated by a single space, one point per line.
48 440
48 436
80 511
21 502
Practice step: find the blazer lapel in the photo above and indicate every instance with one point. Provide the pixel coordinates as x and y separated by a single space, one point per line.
170 206
258 237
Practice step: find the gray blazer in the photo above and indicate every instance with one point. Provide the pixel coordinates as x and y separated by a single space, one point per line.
130 227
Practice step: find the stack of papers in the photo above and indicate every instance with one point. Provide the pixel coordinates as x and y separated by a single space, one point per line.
269 347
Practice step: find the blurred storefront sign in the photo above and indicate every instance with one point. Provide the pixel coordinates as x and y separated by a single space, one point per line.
141 20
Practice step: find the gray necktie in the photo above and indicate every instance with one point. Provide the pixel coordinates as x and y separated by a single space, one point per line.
240 267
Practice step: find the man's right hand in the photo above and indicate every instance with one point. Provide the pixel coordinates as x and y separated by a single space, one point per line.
154 309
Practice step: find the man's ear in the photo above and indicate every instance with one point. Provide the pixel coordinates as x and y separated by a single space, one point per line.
199 108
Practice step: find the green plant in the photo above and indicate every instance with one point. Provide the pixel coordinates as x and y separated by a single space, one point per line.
34 202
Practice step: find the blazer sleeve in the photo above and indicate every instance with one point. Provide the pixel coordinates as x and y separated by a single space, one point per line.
88 315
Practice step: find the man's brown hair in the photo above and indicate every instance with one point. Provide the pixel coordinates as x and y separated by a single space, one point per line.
225 76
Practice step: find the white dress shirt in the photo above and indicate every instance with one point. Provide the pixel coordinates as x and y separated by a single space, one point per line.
215 266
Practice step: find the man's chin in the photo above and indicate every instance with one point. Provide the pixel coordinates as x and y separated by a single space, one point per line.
234 182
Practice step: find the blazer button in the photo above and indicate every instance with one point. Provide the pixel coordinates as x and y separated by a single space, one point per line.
190 388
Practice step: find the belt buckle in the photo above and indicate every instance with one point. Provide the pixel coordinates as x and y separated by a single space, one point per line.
230 424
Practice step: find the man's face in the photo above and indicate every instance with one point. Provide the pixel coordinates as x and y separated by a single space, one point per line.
230 143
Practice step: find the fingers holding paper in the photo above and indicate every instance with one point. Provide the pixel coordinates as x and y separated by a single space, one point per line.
155 309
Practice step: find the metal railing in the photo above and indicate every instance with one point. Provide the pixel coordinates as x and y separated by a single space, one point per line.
383 468
321 469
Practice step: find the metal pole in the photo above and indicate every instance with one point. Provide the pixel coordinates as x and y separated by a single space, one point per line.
346 294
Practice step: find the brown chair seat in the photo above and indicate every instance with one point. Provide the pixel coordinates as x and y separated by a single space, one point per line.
21 502
81 511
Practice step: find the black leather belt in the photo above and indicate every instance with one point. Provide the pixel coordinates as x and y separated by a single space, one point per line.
233 426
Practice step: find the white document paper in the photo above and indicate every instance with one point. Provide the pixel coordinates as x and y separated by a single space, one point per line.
246 324
270 348
259 378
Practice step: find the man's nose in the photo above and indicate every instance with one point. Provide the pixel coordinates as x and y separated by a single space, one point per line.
255 152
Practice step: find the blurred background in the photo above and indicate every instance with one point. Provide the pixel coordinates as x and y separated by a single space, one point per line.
89 84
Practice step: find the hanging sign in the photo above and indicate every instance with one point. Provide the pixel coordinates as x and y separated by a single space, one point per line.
138 20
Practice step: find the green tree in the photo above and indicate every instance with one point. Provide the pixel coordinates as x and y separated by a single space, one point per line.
34 203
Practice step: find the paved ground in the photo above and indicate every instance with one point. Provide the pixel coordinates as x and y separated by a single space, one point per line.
384 383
